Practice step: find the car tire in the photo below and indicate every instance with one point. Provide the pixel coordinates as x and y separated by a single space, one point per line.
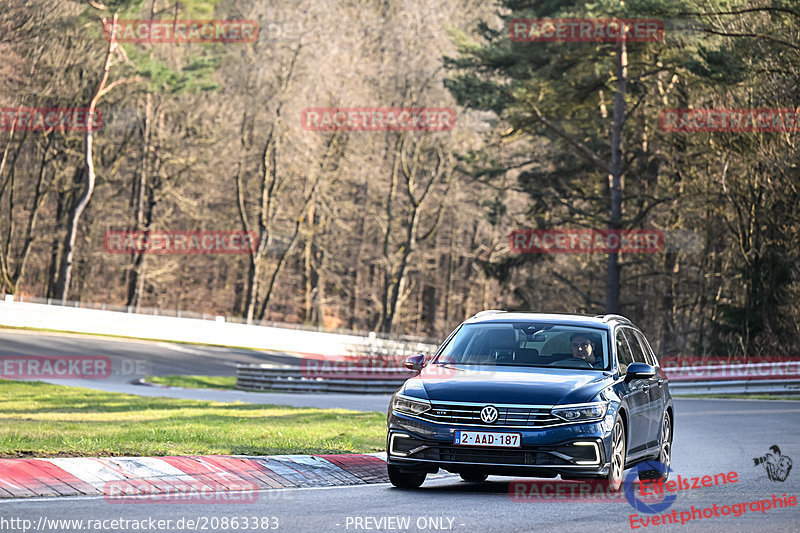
659 469
474 478
617 460
405 480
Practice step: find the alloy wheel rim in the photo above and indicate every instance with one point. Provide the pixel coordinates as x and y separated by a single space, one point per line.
617 459
666 443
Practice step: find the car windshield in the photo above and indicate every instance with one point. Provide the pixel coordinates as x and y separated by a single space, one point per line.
527 344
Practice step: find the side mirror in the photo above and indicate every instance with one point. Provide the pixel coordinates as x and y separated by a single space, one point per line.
415 362
639 371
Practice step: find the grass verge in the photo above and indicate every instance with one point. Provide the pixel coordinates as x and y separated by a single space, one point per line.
195 382
43 420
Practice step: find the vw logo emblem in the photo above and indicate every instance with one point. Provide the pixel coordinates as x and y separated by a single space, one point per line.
489 414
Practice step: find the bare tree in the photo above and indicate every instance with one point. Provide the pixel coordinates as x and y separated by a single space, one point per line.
103 88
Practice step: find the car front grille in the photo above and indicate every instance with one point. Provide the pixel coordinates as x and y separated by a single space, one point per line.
568 454
470 414
510 457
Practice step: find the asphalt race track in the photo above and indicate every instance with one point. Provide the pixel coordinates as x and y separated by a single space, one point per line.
155 358
132 359
711 437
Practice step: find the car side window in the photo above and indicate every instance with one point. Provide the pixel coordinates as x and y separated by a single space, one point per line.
636 347
648 352
624 355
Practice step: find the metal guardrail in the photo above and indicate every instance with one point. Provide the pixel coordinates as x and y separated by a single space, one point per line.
735 372
294 379
750 378
754 378
759 386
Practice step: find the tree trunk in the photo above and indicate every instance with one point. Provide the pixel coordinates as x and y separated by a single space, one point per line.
88 155
135 278
310 273
615 177
397 277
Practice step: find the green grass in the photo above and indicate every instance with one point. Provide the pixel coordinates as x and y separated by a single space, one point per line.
195 382
742 396
42 420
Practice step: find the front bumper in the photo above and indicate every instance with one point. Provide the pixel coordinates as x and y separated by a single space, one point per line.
572 451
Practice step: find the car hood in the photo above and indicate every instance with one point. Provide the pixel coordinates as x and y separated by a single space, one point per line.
520 385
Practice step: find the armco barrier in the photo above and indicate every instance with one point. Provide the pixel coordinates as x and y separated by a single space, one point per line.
140 326
750 378
772 377
759 386
256 377
749 371
757 378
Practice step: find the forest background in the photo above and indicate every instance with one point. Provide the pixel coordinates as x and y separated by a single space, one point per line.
407 232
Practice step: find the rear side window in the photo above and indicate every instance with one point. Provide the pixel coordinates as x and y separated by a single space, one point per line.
636 348
648 352
624 355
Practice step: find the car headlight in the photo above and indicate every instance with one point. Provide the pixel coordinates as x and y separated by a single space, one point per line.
407 405
582 413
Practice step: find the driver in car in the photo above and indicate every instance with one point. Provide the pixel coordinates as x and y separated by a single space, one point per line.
582 348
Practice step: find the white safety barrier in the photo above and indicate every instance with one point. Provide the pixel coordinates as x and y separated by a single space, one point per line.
79 320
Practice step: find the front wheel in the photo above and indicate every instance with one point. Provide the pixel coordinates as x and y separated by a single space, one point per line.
617 466
405 480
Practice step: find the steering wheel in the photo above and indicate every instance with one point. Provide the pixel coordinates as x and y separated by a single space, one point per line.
572 363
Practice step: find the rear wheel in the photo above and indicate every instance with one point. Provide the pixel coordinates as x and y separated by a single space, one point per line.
474 478
405 480
665 456
617 465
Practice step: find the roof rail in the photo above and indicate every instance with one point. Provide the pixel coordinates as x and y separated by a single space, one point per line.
612 316
488 312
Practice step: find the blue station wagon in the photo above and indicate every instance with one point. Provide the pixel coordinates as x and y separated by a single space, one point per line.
539 395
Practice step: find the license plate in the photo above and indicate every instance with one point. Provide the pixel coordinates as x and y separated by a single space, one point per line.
486 438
